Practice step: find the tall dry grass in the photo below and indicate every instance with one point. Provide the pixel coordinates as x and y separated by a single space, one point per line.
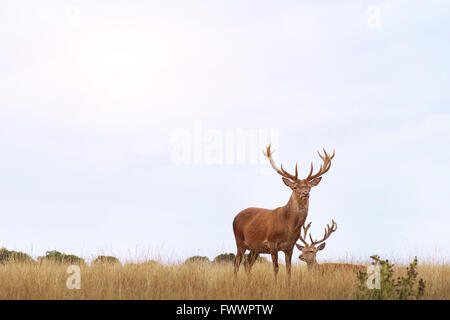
192 281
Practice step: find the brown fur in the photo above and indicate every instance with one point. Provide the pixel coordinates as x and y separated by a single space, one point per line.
269 231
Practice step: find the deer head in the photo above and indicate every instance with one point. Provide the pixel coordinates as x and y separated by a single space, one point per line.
301 187
309 251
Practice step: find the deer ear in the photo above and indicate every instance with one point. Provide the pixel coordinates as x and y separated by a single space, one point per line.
315 181
299 247
321 246
287 182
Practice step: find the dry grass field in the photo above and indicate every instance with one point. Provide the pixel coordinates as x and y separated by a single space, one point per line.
197 280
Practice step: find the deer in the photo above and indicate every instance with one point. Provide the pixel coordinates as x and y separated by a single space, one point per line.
309 251
268 231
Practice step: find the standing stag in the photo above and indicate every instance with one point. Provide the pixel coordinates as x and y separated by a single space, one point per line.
309 251
269 231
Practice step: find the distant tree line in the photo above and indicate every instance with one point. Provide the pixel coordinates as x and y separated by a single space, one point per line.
63 258
51 256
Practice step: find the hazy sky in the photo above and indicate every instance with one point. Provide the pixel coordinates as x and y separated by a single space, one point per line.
117 121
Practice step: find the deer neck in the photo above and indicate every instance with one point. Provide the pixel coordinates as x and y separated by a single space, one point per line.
295 212
297 205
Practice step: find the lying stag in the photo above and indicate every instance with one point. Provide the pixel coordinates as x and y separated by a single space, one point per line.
309 252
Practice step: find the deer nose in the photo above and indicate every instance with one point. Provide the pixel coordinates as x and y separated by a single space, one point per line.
306 193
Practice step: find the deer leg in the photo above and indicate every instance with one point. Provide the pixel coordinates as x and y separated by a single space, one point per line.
251 258
238 259
288 258
274 255
252 262
246 261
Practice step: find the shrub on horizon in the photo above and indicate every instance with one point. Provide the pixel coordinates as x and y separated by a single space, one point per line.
225 258
58 257
259 259
229 257
106 260
14 256
197 259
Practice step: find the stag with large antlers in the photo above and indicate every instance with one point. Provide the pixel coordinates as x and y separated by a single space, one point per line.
309 251
270 231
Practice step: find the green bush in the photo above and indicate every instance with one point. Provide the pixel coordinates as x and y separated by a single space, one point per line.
106 260
225 258
229 257
197 259
58 257
401 288
13 256
259 259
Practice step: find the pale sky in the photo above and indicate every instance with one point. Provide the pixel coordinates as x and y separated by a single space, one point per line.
95 96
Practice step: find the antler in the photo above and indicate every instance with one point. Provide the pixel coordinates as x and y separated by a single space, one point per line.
305 231
282 172
323 167
328 232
